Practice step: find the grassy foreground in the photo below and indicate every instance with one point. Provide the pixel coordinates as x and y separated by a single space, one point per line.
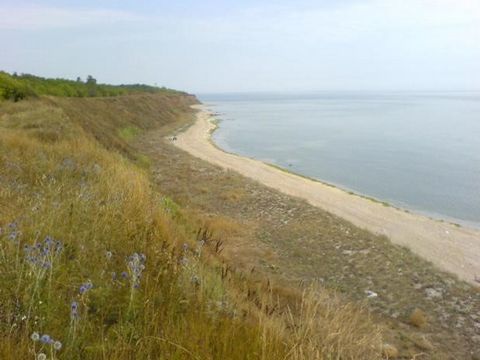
96 264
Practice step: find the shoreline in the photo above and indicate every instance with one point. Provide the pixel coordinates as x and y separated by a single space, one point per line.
450 247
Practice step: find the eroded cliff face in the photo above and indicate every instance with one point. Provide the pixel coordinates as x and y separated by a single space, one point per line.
104 118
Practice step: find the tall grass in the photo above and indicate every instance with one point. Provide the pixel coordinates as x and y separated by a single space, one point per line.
92 256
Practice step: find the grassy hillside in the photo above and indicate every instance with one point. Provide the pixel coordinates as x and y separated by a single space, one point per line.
17 87
96 263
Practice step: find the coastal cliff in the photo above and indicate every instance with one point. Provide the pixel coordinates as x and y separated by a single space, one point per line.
114 243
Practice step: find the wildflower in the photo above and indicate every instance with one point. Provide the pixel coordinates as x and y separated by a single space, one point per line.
195 280
58 246
57 345
136 266
35 336
85 287
74 310
124 275
45 339
108 255
41 356
41 255
48 240
13 235
185 247
114 276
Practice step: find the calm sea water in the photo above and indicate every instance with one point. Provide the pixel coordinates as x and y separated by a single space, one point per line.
419 151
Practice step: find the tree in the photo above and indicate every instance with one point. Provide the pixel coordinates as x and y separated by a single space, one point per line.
91 85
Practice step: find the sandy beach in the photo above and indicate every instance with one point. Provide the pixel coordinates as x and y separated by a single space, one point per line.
451 248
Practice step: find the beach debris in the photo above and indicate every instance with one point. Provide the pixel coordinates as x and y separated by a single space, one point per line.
371 294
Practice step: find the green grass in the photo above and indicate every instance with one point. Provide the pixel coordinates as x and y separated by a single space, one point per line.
129 133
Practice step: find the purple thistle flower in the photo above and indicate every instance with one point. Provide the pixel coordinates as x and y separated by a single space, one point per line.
48 240
85 287
135 264
41 256
45 339
73 310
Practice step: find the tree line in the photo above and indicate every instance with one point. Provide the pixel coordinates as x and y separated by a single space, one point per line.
17 87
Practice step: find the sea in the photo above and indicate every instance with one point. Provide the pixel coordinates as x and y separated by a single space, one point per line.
415 150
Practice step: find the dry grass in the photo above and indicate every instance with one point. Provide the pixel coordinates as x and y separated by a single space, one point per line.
418 318
60 179
327 327
389 351
293 244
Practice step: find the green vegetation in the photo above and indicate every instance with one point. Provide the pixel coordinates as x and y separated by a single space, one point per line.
18 87
92 255
129 133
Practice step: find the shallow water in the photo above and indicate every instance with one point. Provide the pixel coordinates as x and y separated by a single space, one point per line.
418 151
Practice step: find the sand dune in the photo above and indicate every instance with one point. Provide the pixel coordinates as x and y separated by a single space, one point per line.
449 247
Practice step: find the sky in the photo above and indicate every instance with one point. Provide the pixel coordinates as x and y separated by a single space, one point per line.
214 46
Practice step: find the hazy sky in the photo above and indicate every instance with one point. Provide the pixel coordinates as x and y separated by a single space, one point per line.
244 45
